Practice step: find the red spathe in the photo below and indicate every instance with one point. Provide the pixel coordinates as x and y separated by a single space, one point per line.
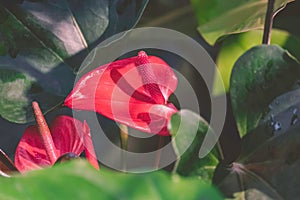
69 135
130 91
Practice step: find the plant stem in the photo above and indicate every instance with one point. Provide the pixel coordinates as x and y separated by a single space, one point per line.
160 145
44 132
6 165
268 22
124 143
56 107
220 151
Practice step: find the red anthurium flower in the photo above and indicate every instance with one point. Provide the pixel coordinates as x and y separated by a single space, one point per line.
41 146
133 91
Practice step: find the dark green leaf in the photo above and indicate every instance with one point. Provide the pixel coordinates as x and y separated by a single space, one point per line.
269 161
27 53
78 180
189 130
236 45
48 40
268 167
261 74
282 115
283 112
218 18
17 91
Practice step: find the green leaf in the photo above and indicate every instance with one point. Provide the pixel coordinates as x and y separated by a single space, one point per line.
78 180
17 91
218 18
27 53
236 45
283 112
47 40
268 167
261 74
189 130
281 117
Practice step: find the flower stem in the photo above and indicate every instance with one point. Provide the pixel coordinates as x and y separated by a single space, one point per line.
268 22
124 143
44 132
220 151
6 165
160 145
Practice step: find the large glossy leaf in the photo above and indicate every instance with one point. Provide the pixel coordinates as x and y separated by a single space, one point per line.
280 117
189 130
78 180
268 167
47 40
236 45
261 74
283 113
219 18
28 54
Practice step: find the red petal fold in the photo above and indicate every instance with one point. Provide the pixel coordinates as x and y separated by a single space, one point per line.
66 133
30 153
117 91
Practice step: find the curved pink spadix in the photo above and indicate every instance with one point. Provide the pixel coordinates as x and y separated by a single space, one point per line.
148 78
132 91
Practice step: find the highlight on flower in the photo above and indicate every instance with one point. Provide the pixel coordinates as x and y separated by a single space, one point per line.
41 146
132 91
